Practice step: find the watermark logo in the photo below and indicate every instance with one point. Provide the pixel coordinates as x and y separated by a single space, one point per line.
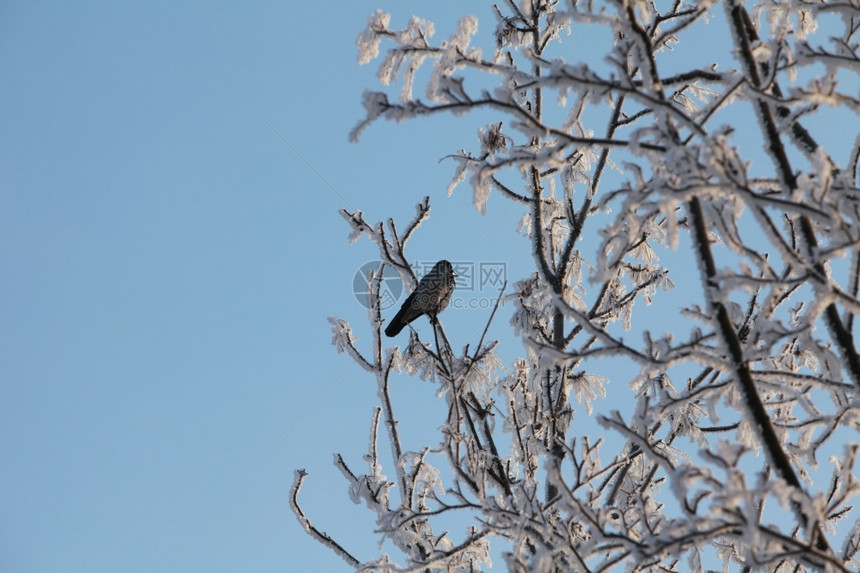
390 289
477 285
493 276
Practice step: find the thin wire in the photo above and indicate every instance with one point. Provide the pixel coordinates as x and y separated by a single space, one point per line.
303 412
318 174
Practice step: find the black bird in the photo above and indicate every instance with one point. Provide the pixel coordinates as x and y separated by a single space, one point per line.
430 297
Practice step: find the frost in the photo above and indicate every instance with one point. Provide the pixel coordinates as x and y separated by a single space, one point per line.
482 187
460 174
376 104
342 335
454 54
587 388
368 40
702 261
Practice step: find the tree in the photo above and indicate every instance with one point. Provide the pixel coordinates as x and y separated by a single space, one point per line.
725 418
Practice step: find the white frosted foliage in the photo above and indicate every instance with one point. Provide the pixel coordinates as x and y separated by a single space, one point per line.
670 380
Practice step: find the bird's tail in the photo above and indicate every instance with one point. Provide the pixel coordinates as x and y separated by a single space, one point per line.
396 325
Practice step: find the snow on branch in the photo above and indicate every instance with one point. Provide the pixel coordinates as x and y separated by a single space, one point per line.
685 356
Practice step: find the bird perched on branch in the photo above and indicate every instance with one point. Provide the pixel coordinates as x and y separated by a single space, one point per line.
430 297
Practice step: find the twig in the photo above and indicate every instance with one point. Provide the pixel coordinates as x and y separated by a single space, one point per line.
320 536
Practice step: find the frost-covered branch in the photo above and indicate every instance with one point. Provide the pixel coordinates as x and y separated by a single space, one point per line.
617 436
320 536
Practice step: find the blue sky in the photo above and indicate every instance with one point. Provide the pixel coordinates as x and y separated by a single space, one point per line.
168 266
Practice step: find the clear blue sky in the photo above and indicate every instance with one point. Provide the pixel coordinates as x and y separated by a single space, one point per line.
168 266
